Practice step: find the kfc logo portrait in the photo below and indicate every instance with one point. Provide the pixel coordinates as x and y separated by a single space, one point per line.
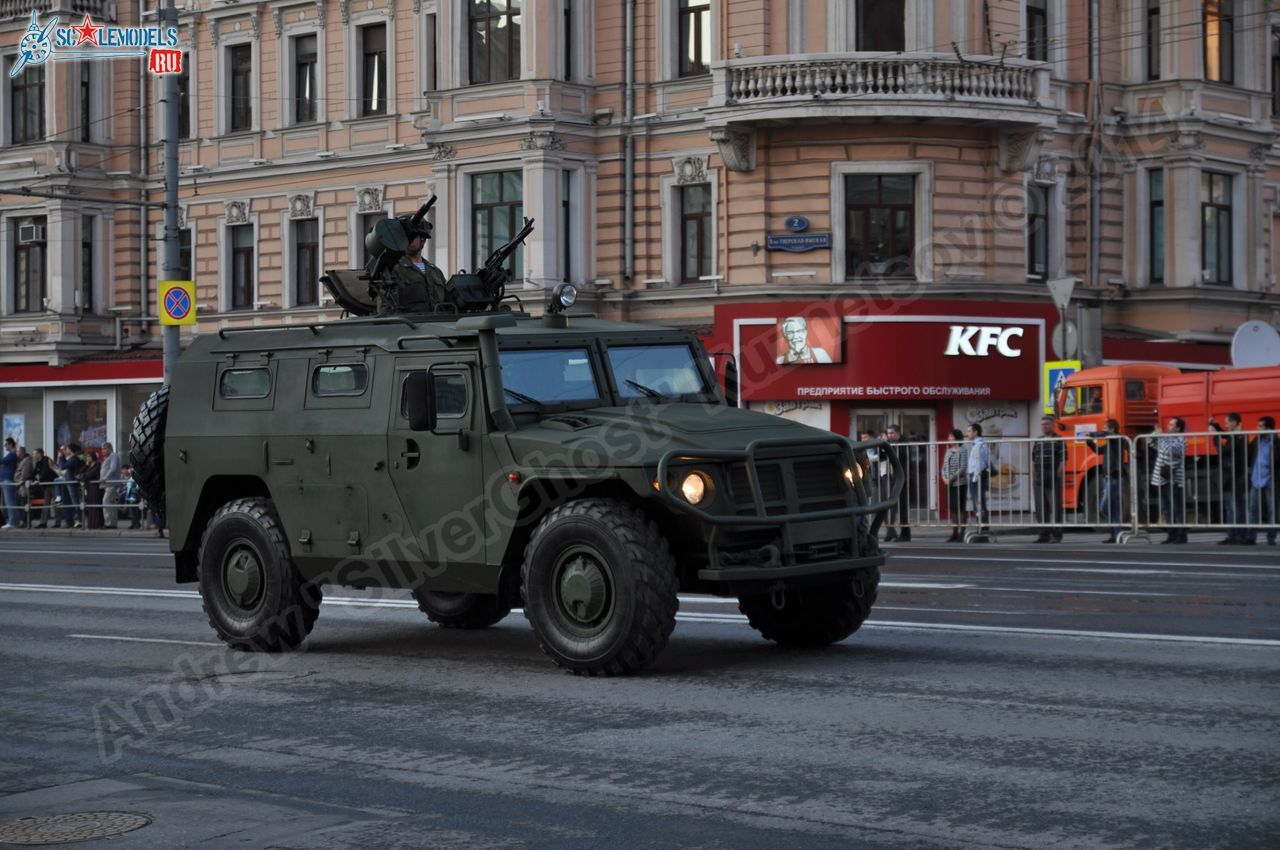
807 341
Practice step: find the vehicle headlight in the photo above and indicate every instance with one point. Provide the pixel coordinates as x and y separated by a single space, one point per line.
695 487
852 474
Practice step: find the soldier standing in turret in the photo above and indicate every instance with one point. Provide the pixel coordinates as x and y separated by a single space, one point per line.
420 286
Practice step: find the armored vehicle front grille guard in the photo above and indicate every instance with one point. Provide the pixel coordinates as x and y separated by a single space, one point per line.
780 482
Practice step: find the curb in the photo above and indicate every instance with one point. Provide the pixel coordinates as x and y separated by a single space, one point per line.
20 533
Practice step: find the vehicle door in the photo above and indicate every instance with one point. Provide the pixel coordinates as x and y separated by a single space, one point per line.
438 475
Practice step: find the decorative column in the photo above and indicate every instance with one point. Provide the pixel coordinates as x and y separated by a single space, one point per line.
542 167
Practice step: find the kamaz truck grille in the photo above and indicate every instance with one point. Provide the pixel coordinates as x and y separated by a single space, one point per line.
790 486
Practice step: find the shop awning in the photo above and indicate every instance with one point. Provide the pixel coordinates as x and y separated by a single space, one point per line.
103 370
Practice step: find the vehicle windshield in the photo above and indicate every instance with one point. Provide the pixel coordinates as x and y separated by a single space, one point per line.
549 375
655 371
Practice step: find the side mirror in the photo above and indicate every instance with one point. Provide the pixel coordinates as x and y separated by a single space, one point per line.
420 395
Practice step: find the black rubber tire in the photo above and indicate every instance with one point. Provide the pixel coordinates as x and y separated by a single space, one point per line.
638 607
146 448
285 607
461 610
813 616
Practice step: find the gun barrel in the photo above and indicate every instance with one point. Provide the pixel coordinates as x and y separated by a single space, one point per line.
422 211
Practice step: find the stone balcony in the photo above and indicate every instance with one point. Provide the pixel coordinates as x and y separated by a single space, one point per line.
102 10
1012 95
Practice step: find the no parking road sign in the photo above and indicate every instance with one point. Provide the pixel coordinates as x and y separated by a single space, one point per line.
177 302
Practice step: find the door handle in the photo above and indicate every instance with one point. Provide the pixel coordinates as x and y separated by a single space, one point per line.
411 454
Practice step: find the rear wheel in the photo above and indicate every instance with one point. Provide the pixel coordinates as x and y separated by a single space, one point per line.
812 616
252 593
599 585
146 448
461 610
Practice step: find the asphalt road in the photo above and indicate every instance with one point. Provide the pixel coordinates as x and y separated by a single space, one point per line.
1001 696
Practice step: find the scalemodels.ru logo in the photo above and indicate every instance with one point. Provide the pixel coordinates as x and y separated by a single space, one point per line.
41 43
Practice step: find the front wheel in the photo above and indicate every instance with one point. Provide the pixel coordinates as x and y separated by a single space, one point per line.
812 616
252 593
599 585
460 610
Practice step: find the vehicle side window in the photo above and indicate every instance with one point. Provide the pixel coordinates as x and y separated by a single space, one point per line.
340 379
245 383
1069 405
451 395
1135 391
1090 400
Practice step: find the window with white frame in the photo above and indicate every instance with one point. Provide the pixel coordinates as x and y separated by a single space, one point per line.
694 34
497 212
87 270
430 53
1153 39
1038 30
696 243
30 273
1215 228
879 225
364 224
26 103
493 35
881 26
1155 226
240 240
1038 206
373 69
1219 41
306 262
304 80
239 72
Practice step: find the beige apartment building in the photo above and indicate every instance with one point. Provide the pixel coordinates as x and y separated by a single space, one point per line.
720 164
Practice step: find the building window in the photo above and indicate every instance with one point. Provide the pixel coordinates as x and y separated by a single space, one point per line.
86 263
373 70
880 224
240 74
29 264
304 79
184 99
364 224
1219 41
86 100
1275 72
1153 39
1155 224
695 232
695 37
184 255
1038 30
1215 227
494 28
497 211
306 262
1037 232
882 26
26 104
567 39
241 266
566 222
430 54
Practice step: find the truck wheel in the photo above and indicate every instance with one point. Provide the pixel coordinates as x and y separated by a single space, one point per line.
600 587
460 610
813 616
252 593
146 448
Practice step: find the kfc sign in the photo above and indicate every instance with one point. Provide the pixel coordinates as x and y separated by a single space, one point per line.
977 340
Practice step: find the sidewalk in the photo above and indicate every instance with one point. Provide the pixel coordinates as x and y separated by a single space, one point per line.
19 533
1073 537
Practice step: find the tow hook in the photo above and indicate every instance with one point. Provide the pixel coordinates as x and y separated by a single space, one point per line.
778 599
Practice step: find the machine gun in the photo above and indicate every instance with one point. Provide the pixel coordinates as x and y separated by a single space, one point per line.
484 288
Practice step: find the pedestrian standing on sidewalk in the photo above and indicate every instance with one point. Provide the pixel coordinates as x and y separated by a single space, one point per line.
69 468
979 474
1262 482
111 469
131 497
1048 455
1169 476
8 469
22 478
91 478
1110 449
1233 471
900 516
953 475
42 489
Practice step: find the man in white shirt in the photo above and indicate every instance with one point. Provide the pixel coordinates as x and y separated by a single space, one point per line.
979 469
110 477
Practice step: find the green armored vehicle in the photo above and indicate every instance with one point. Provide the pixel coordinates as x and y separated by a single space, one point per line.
585 470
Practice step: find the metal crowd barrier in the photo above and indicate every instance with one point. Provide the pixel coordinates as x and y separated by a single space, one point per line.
1024 489
66 502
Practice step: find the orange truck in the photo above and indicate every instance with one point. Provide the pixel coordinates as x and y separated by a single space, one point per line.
1140 395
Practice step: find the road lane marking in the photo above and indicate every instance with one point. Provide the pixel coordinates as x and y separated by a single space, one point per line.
711 617
97 553
147 640
1034 559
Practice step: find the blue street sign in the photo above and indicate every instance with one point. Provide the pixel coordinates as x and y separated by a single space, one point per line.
797 242
797 223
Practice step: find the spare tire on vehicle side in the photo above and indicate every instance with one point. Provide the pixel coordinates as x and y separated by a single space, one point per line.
146 448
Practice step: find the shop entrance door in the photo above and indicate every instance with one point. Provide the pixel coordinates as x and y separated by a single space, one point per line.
918 426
